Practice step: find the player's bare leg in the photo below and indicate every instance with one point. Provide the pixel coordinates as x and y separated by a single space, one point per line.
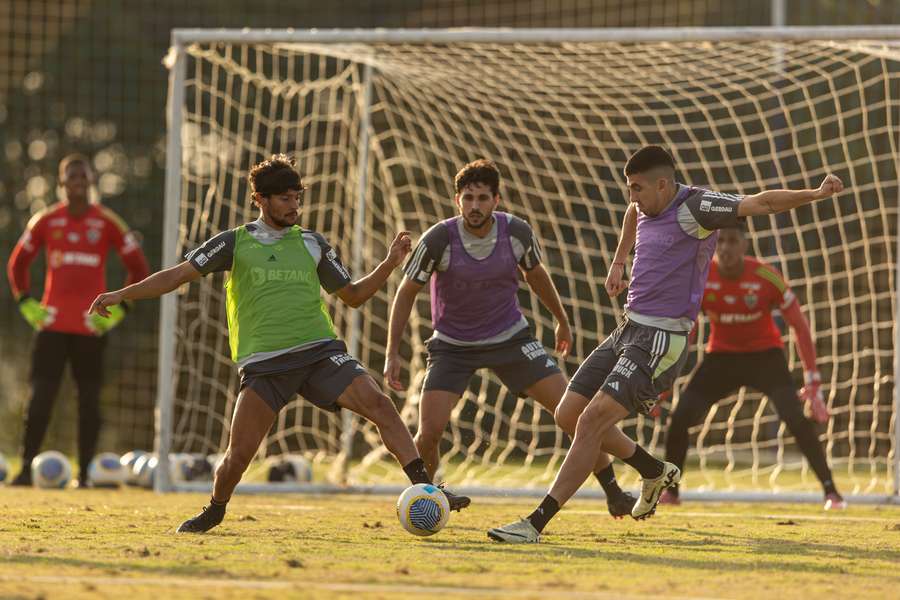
566 407
251 422
434 414
366 399
594 424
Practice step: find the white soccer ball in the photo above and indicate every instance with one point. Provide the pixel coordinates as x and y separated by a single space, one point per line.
292 468
127 461
4 469
179 467
423 509
106 471
144 471
51 470
199 468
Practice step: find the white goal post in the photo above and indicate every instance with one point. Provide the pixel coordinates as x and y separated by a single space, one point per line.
379 121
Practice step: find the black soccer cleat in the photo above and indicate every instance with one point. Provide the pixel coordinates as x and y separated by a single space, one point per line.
209 517
23 478
620 505
456 501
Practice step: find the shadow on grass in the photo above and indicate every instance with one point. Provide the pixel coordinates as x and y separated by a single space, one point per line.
755 554
124 567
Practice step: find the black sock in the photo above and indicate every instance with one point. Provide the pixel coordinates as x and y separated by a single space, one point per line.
546 511
829 487
607 479
417 472
646 465
216 503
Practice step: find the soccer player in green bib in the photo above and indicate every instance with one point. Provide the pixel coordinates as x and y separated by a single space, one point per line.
279 329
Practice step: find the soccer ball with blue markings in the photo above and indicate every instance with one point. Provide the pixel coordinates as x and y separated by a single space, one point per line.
106 471
51 470
423 509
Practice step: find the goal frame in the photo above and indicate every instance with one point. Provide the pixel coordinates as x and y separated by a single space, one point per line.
177 61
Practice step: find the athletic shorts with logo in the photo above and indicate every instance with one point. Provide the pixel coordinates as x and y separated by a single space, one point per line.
320 374
634 365
519 362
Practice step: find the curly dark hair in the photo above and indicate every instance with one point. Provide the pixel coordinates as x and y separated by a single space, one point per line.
478 171
275 175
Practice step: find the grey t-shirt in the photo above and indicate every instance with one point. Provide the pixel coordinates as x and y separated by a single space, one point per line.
699 216
433 251
217 254
433 254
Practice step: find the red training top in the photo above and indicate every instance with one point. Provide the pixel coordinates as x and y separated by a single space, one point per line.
740 310
76 261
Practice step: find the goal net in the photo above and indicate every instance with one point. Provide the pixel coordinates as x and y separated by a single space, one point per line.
379 127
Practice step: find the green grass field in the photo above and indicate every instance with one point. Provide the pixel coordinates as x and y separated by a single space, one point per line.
118 544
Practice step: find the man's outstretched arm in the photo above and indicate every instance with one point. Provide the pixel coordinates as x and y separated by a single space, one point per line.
154 286
356 293
776 201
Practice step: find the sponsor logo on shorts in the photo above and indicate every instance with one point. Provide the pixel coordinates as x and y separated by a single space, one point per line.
614 386
549 364
533 350
340 359
625 367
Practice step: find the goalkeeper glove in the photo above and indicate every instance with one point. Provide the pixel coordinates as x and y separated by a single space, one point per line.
99 325
37 315
811 394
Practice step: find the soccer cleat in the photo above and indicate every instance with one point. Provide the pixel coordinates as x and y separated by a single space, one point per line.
520 532
208 518
23 478
651 490
834 501
670 497
620 505
457 502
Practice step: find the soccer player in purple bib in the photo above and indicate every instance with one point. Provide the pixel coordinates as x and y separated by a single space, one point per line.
674 239
473 261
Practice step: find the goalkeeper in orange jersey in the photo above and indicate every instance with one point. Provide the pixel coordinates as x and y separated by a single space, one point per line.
745 349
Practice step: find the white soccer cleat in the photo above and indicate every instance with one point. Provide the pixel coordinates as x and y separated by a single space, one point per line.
651 489
520 532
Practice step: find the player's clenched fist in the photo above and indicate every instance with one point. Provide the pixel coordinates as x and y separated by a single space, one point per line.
400 248
615 280
831 185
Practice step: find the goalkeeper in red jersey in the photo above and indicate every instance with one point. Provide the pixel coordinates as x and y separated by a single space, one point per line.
745 349
77 236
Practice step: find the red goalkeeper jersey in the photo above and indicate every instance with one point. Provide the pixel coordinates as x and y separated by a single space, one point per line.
76 249
740 310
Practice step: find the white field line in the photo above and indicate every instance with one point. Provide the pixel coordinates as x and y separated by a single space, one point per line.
732 515
357 588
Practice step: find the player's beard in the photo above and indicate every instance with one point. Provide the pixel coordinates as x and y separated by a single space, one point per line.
287 221
478 221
